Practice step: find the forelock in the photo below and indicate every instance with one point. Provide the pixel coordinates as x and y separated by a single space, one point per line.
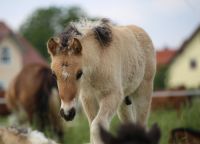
70 32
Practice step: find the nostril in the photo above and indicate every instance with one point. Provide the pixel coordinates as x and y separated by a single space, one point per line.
62 113
72 112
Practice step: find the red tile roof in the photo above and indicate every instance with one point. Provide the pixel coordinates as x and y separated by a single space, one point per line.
29 53
4 30
164 56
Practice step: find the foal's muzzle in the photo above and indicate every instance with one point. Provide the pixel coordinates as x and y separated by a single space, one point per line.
70 114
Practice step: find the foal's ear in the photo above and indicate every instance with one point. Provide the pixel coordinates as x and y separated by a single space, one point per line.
53 45
75 46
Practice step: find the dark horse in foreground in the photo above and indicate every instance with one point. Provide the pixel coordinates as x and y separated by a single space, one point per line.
132 133
33 92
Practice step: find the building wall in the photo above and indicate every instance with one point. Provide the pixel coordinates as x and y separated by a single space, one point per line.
183 71
9 70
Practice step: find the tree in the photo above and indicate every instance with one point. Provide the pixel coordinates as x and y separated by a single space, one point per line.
160 78
46 22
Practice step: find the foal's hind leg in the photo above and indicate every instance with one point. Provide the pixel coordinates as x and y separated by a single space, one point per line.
139 108
142 100
125 111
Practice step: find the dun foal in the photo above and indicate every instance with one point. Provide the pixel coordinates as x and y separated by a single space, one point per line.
110 68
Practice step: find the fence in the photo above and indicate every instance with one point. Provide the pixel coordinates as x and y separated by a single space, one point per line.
173 99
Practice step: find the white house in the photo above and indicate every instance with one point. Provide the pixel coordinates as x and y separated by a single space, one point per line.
15 52
184 69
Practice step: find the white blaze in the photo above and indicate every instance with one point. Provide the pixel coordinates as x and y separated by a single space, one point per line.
67 106
65 74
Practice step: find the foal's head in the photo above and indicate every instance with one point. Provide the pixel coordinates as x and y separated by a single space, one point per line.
67 69
66 51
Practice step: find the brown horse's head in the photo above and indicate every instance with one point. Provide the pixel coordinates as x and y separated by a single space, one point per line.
67 69
66 51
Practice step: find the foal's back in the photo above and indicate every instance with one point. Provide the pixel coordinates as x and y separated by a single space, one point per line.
135 54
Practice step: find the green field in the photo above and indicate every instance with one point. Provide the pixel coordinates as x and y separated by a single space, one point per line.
78 131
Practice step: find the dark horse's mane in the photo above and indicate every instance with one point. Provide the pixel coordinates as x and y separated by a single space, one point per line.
47 82
43 94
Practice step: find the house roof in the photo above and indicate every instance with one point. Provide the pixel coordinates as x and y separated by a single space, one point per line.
4 30
164 56
184 45
29 53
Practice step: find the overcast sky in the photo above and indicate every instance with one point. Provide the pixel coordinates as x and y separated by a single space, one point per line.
168 22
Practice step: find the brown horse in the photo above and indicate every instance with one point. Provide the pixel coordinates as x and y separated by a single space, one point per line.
33 92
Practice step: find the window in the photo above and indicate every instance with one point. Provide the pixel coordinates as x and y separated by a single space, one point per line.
5 57
193 63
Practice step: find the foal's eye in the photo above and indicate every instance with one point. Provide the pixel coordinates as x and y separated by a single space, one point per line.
79 74
54 75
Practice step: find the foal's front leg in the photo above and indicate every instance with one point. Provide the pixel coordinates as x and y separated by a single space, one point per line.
90 106
107 107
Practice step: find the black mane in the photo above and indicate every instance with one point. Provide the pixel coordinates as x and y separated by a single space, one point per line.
70 31
102 33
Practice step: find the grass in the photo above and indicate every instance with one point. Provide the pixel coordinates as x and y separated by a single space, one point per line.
3 120
78 131
169 119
